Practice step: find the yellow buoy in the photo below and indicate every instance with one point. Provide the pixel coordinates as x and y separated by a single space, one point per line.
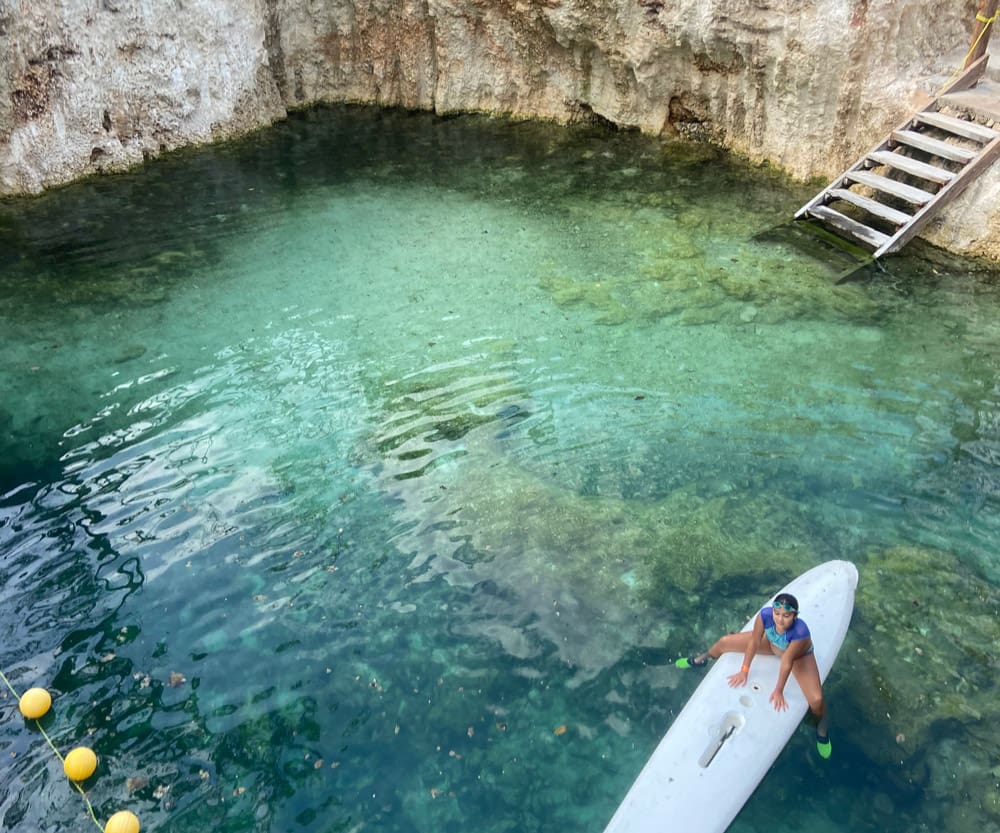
122 822
80 764
34 703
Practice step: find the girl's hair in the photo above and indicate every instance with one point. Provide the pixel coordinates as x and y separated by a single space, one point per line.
788 599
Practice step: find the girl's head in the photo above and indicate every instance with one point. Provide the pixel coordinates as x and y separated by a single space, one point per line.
786 602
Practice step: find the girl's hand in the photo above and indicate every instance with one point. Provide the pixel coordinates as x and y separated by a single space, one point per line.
779 701
737 679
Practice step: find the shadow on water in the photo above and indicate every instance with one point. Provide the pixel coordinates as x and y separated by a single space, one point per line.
847 262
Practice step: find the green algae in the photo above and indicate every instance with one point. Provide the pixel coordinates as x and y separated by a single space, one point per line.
699 546
622 560
674 275
597 296
930 663
907 596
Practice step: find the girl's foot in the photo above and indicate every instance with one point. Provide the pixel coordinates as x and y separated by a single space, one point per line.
692 662
823 746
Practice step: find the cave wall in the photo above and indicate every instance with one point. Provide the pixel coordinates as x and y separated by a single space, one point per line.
100 85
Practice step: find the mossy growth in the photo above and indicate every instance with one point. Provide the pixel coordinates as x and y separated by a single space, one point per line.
922 667
708 545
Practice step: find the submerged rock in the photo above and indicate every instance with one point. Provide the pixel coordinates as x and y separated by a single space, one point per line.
922 663
925 676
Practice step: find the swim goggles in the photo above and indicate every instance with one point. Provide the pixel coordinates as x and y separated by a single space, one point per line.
784 606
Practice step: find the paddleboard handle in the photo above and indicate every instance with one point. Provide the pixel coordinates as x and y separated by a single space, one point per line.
730 725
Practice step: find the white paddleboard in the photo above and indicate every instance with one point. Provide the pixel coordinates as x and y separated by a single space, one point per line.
725 739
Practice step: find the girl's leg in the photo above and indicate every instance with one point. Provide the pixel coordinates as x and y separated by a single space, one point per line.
807 676
730 643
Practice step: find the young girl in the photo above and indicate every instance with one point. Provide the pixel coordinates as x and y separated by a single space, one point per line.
779 630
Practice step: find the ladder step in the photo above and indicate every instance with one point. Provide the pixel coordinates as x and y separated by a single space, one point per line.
912 166
916 196
857 230
877 209
959 127
921 141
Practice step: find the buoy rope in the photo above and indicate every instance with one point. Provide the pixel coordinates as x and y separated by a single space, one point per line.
52 746
988 21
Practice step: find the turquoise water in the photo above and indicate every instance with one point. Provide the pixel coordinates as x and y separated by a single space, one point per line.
369 473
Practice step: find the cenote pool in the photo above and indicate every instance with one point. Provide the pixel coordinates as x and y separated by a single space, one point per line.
369 473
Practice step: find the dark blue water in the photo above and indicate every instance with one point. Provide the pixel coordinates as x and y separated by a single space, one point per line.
369 474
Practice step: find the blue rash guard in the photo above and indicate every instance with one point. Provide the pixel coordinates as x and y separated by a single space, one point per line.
798 630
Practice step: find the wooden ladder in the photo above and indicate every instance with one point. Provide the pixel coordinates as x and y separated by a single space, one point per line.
893 191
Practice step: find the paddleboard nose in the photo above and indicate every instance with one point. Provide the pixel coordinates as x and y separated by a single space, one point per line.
851 571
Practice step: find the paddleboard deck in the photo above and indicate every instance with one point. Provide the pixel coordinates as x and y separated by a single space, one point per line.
725 739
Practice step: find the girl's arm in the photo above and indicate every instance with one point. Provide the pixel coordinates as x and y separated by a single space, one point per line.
795 650
740 678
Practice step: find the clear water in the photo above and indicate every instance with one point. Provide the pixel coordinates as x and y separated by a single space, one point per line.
369 473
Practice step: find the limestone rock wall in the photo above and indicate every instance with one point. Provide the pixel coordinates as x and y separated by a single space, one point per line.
96 85
93 85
